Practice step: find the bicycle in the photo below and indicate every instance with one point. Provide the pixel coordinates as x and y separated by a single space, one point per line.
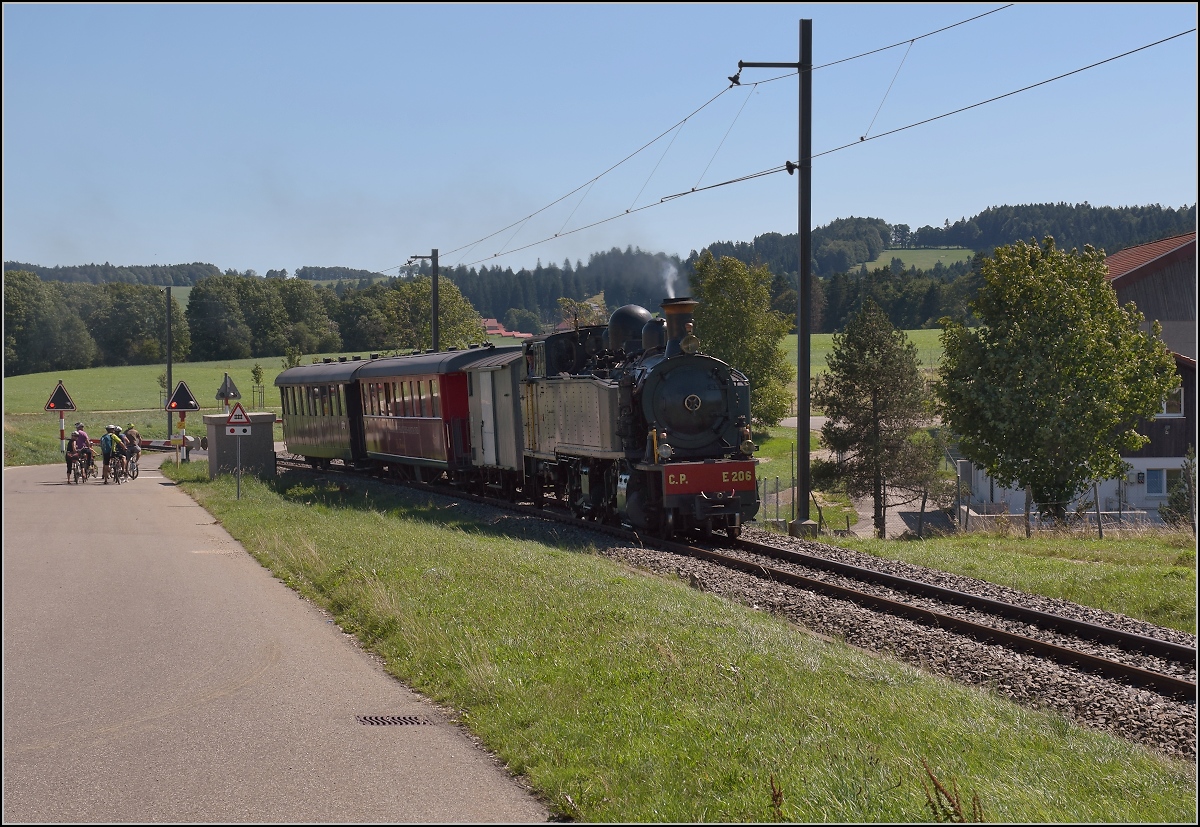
90 471
132 464
77 473
118 470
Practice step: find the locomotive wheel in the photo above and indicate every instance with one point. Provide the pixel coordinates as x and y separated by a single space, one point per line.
666 528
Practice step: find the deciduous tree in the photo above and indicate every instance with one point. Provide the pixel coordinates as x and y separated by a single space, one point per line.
735 323
1047 391
411 303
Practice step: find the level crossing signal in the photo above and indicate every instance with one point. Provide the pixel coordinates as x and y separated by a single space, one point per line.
182 400
60 400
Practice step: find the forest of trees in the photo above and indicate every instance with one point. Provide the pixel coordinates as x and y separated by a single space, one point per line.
62 317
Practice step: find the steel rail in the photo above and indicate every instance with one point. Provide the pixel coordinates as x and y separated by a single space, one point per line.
1175 652
1164 684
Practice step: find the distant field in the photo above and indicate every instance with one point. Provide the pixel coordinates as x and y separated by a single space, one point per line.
923 259
180 295
928 343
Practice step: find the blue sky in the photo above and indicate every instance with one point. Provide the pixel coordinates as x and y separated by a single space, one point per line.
287 135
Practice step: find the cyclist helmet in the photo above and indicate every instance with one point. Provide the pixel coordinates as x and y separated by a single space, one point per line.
116 429
129 427
79 426
110 428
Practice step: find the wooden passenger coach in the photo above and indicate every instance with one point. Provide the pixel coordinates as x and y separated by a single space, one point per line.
320 409
415 408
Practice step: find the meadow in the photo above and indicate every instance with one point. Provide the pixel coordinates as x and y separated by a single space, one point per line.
625 697
924 258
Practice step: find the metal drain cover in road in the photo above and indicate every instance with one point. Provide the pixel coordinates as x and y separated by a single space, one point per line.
391 720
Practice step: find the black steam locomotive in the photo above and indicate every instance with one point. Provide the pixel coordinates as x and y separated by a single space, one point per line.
626 422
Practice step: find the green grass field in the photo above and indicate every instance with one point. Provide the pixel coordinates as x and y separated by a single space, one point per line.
927 342
923 259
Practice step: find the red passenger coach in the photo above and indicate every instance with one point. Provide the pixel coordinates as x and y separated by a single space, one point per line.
415 410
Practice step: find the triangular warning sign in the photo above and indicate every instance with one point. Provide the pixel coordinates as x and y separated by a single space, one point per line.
60 400
228 390
182 399
238 415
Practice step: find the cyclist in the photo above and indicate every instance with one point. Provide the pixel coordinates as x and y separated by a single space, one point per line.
107 448
133 442
72 456
83 449
120 451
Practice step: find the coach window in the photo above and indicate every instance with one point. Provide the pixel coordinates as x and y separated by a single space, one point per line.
308 401
385 401
435 396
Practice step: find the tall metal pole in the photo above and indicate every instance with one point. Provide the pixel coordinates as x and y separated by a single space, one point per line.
804 287
435 300
434 310
804 294
168 357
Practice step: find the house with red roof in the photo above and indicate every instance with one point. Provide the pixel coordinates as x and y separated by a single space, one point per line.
493 327
1160 278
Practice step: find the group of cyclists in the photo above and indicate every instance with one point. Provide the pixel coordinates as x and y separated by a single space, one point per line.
120 449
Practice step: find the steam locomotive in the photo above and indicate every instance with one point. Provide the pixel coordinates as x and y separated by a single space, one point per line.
624 423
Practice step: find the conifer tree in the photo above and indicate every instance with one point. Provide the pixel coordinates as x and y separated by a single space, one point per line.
874 399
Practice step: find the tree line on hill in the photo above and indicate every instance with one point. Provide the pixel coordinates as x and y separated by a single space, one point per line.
66 317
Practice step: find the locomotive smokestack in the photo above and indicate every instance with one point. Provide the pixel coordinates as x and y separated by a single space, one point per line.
678 313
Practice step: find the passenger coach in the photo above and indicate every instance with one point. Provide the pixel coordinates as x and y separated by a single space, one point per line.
321 409
415 409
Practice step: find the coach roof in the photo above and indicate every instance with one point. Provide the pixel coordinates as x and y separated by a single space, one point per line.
426 363
322 373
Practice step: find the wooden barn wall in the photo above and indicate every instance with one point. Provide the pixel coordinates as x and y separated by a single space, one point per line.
1171 437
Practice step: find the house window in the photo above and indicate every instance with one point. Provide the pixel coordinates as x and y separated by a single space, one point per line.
1160 481
1173 404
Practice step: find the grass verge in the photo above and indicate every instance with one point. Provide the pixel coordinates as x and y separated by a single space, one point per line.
626 697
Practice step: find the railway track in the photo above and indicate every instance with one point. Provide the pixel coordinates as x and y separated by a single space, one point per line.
1137 664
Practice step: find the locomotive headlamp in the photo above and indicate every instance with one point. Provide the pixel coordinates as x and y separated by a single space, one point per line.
747 447
689 344
665 451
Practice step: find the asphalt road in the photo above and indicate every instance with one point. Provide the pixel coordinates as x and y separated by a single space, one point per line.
155 672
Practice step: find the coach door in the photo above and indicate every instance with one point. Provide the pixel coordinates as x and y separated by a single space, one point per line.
487 416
